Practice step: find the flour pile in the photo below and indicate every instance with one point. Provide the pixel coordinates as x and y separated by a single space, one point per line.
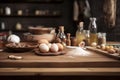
78 51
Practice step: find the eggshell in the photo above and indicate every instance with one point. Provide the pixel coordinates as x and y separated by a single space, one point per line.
60 46
54 48
43 48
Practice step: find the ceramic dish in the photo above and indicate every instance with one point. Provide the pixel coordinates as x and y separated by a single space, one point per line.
49 53
21 47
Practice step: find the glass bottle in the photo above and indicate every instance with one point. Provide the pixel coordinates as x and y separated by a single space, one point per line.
68 41
79 33
61 34
87 37
93 30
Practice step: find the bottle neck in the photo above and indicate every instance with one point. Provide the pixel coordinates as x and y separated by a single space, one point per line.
93 26
80 29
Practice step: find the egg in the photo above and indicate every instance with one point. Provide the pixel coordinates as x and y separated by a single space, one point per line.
49 45
60 46
43 41
81 44
43 48
94 44
13 38
111 51
54 48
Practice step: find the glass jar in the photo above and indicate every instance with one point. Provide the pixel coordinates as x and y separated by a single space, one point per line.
101 38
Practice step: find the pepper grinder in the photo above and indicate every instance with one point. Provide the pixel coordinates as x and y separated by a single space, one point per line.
68 41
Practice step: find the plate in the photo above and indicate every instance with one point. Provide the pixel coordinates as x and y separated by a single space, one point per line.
49 53
27 47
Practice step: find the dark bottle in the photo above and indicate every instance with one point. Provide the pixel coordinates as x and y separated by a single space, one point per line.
61 34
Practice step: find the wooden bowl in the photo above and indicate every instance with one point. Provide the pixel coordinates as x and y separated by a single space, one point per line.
34 37
41 30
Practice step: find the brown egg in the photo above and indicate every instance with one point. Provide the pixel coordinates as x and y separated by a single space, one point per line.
107 48
43 41
111 47
60 46
54 48
116 50
94 44
43 48
111 51
103 48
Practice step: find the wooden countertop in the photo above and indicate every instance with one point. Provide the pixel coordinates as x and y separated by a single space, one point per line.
32 64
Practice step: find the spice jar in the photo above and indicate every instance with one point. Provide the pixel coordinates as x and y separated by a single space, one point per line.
101 38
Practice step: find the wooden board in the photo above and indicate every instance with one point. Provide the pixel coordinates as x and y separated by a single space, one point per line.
114 55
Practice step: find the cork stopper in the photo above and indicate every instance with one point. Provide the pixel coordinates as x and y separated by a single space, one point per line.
68 35
81 24
61 28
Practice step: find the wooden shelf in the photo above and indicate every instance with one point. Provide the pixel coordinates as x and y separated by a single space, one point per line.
31 1
36 16
47 16
18 31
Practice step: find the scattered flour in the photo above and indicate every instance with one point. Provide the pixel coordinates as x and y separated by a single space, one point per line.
78 51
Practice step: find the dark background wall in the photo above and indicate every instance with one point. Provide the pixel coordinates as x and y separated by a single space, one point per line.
66 18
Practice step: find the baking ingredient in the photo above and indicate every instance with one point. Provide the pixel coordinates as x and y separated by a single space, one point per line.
13 38
80 36
81 44
94 44
111 51
77 51
60 46
54 48
43 48
49 45
43 41
93 30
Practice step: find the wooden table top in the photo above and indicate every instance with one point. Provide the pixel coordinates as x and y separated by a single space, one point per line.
30 59
32 64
